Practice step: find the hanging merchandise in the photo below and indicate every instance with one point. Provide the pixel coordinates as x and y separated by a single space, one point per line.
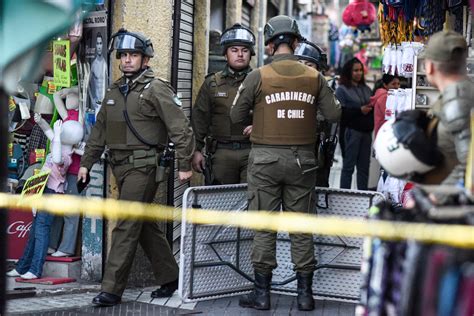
410 278
402 20
398 100
393 26
360 14
398 59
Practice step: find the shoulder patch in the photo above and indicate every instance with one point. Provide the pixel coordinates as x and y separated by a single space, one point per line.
177 101
162 79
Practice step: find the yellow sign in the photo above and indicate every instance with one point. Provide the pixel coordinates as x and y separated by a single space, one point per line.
11 104
62 63
35 185
39 154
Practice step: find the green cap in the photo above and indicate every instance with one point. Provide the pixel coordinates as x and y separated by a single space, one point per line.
441 45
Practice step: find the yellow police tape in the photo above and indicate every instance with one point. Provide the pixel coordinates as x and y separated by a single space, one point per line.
453 235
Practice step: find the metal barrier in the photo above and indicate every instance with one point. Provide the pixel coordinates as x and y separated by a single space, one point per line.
215 260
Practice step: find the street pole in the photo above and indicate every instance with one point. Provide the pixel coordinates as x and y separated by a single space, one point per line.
261 23
174 84
3 186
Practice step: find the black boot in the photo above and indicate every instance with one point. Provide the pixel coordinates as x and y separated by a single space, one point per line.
305 291
166 290
106 299
259 298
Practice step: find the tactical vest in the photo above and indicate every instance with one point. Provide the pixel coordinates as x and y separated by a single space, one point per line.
142 113
285 112
223 94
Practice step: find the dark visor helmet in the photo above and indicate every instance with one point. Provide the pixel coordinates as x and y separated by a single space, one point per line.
312 53
124 41
237 35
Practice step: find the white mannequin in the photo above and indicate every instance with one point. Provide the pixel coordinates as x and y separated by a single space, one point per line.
64 230
72 100
63 137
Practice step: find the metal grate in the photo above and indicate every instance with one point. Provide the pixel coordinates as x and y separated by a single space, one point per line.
215 260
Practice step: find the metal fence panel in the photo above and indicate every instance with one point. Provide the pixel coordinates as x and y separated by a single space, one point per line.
215 260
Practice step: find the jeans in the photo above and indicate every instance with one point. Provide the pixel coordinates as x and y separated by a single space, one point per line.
357 154
69 230
36 248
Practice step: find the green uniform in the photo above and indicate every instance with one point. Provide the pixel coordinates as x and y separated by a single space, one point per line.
453 133
284 97
155 114
210 117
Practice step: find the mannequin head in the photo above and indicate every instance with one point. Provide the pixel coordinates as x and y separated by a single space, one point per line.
72 99
72 133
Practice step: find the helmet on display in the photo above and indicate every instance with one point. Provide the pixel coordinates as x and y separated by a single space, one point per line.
405 148
238 35
312 53
281 25
124 41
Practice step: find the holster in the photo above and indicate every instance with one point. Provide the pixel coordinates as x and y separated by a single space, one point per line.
210 149
161 173
208 173
211 145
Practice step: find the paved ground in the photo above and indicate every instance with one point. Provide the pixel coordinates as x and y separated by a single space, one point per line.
136 302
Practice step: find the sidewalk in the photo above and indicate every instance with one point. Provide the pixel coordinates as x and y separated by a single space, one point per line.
138 302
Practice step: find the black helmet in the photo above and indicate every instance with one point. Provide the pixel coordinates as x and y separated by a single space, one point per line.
281 25
238 35
124 41
312 53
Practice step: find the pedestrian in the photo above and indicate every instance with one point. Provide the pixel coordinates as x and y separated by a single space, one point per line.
379 100
313 56
357 124
227 144
284 97
139 113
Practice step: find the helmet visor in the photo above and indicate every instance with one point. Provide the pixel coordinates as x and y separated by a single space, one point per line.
238 35
306 50
126 42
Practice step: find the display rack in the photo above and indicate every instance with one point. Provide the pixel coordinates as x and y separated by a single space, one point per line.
424 95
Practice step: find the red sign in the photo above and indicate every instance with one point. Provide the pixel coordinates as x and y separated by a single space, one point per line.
18 229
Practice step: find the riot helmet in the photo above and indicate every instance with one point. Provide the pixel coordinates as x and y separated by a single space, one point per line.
237 35
406 147
312 53
279 26
124 41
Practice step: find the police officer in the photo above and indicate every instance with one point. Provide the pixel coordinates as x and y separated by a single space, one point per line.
228 144
284 97
313 56
139 113
445 64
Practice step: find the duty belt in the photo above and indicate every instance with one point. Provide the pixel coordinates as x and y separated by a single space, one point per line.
310 147
233 145
140 158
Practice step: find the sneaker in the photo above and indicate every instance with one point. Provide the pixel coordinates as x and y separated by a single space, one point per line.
60 254
13 273
28 276
50 250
